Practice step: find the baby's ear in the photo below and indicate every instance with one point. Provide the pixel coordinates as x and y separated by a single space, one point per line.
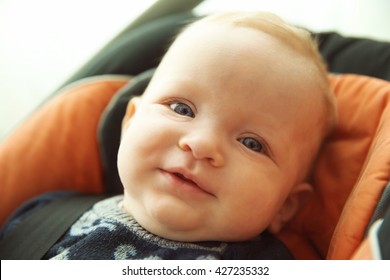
130 111
291 205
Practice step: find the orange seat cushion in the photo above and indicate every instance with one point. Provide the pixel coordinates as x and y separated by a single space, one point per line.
352 170
56 148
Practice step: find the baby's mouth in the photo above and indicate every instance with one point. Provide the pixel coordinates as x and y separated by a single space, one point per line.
179 179
182 177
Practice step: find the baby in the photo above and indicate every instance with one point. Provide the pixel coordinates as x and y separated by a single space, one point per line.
216 154
226 131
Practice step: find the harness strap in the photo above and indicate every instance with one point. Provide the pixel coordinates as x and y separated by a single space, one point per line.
33 237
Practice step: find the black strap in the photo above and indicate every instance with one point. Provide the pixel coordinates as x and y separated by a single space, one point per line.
384 237
33 237
381 207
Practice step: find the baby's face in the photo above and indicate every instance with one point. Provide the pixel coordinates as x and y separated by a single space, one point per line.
214 146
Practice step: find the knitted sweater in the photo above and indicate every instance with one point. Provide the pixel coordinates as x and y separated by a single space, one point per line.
107 232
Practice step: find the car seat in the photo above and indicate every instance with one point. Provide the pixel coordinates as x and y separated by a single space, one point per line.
70 142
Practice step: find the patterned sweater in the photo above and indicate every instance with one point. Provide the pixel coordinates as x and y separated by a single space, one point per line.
107 232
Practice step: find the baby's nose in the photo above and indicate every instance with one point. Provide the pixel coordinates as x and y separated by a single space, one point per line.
203 146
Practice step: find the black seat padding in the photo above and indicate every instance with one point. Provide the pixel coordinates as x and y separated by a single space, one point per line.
109 130
354 55
136 51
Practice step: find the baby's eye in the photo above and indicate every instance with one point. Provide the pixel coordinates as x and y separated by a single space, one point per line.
253 144
182 109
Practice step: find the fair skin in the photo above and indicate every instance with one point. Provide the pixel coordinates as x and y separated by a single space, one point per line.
219 134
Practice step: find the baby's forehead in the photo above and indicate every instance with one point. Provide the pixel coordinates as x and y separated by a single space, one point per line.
255 66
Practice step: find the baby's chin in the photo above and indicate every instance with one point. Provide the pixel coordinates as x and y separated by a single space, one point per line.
178 232
169 223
